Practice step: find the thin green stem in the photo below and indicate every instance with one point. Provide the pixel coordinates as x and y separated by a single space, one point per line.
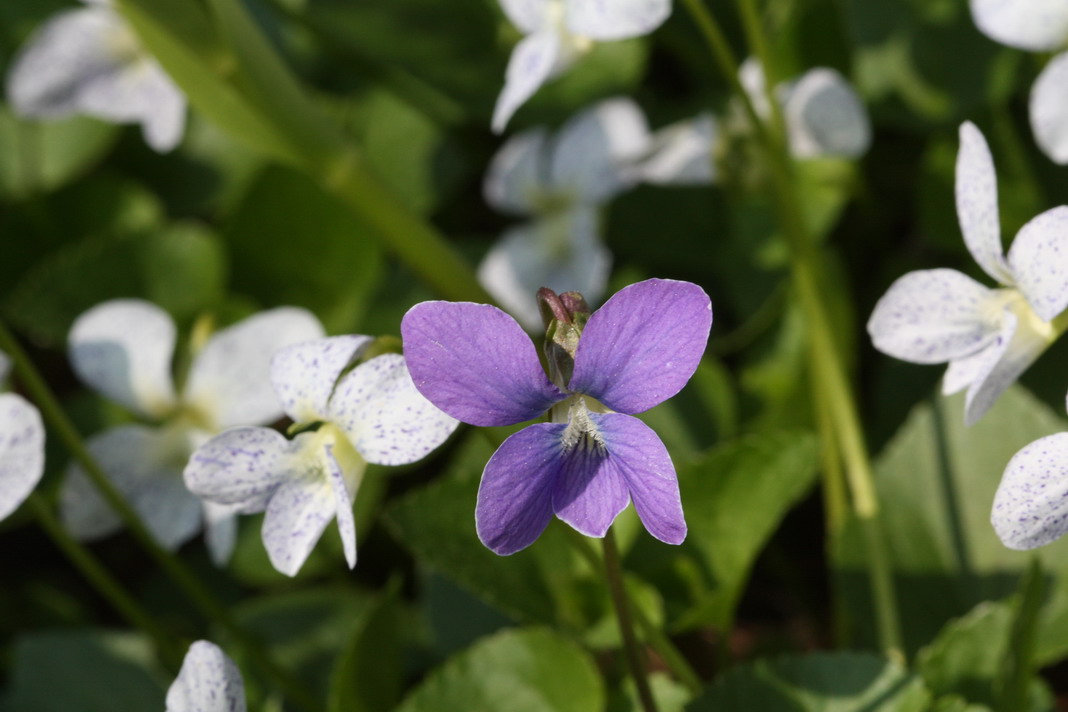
104 583
635 658
194 590
825 360
661 643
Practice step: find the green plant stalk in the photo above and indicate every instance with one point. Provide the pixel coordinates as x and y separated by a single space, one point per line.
825 360
197 593
661 643
1014 680
104 583
635 659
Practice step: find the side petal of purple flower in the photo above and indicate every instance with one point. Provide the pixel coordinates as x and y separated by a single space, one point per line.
208 682
241 467
589 491
642 346
475 363
21 451
645 466
1031 504
515 497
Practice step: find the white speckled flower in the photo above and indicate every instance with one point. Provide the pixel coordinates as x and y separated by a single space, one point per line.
824 116
1038 26
373 414
209 681
123 349
557 32
88 61
988 336
560 181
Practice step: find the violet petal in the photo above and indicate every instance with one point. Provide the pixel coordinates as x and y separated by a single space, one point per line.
589 491
642 346
475 363
515 497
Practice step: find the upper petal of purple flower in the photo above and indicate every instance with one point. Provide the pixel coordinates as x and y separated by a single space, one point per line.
642 346
643 464
515 497
475 363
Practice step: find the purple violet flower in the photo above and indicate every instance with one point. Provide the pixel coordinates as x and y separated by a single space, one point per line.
474 362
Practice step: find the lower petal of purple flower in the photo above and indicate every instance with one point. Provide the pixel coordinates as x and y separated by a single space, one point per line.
515 498
642 462
590 491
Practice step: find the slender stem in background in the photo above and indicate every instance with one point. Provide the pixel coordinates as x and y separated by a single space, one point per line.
194 590
661 643
825 361
635 659
104 583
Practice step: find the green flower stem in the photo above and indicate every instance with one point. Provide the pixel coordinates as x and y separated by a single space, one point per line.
661 643
635 659
825 360
197 593
105 584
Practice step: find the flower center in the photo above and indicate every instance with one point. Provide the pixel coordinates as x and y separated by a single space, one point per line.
581 432
1013 300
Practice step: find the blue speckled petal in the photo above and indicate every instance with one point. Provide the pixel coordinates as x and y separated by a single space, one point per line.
208 682
1031 504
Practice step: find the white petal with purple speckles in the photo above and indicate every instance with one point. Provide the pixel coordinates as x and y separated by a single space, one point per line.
298 513
1039 262
1049 109
592 150
977 203
21 451
208 682
824 116
536 58
346 523
241 467
145 465
304 375
384 416
615 19
1037 25
527 15
518 174
563 252
123 349
964 371
220 531
1031 504
681 154
933 316
229 381
1017 347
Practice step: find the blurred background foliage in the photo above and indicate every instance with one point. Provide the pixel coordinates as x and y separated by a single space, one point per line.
761 593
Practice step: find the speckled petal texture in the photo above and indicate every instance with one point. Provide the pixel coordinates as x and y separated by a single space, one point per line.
208 682
1039 261
1031 504
533 61
241 467
122 349
229 380
932 316
21 451
515 496
1015 349
642 346
475 363
977 203
304 375
385 418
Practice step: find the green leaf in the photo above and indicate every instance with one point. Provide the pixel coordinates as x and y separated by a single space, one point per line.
531 670
84 670
291 243
936 481
734 498
181 268
823 682
42 156
367 674
670 696
969 655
